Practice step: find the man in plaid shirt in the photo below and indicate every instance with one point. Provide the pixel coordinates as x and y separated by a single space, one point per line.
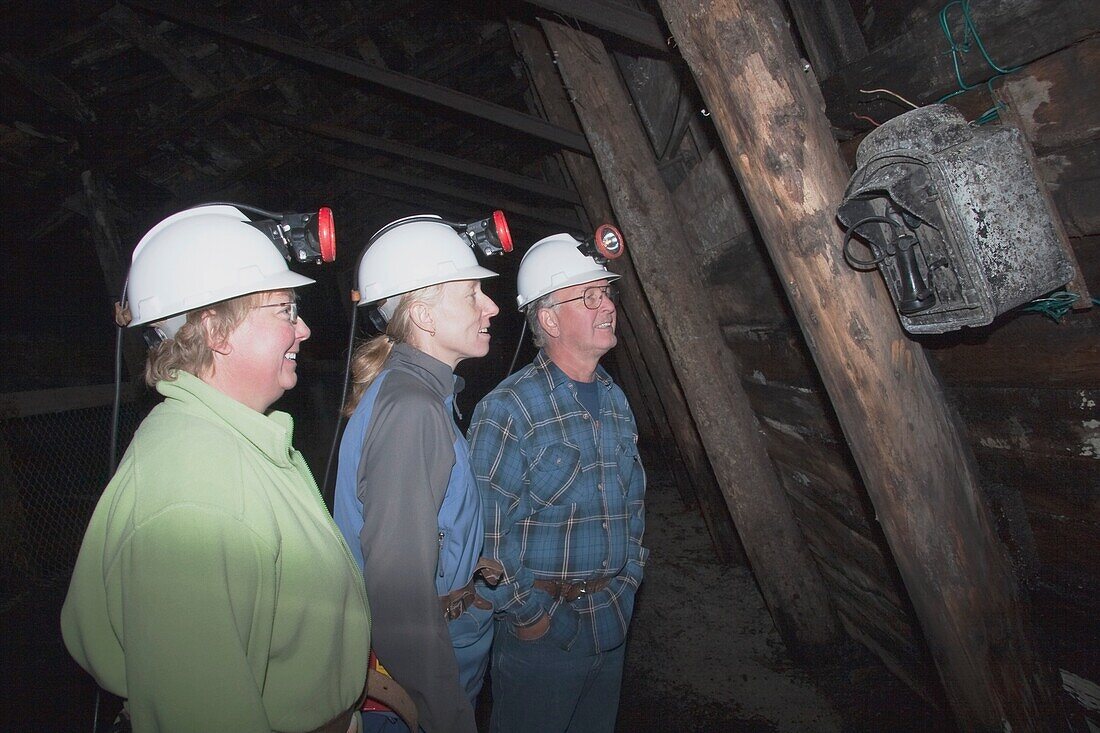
554 449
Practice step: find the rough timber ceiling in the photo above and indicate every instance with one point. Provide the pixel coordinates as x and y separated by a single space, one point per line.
276 102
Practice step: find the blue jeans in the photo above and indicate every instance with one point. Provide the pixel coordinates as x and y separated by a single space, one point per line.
539 688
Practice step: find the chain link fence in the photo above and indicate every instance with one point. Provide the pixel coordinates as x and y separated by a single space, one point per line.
53 468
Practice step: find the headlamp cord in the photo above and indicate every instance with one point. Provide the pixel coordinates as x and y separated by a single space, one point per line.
343 398
112 450
519 345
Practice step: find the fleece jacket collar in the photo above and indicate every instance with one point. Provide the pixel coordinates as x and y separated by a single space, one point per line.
272 433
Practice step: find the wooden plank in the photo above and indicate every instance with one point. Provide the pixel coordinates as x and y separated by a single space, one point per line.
1023 421
829 32
1055 99
630 355
620 19
795 410
788 578
1056 485
863 561
323 58
1061 499
1077 573
47 87
441 160
1072 175
556 217
625 368
917 66
1023 350
740 280
825 475
772 353
914 461
924 685
129 26
1013 92
546 82
876 611
64 399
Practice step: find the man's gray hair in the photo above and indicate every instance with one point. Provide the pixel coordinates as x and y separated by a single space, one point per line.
538 336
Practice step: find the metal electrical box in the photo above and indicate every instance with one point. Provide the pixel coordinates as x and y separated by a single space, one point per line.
954 219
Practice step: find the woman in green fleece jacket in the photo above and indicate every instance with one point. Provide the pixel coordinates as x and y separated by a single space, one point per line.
213 591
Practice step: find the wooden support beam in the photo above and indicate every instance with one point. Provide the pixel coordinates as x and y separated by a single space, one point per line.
630 358
917 64
138 32
323 58
547 216
914 461
622 20
788 578
553 102
829 32
441 160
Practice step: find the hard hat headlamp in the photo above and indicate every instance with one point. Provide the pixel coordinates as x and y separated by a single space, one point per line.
490 235
308 237
605 244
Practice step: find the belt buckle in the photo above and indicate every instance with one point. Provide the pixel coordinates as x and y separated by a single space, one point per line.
581 588
455 608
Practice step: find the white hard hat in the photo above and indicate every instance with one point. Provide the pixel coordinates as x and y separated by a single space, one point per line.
554 263
413 253
199 257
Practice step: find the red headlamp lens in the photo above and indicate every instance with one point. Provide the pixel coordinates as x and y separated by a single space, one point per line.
609 241
326 234
500 226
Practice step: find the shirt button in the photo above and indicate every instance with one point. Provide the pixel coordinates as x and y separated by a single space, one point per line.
603 564
584 416
603 524
599 487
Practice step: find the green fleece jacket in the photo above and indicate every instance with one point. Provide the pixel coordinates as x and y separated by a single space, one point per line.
213 589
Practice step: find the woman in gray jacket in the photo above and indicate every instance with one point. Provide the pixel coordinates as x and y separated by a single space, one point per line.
406 499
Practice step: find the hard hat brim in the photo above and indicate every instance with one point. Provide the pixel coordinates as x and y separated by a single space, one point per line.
474 272
579 279
287 280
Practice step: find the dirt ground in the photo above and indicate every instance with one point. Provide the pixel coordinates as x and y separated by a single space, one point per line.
703 654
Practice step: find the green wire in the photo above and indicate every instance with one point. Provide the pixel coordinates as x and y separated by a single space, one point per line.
970 32
1054 306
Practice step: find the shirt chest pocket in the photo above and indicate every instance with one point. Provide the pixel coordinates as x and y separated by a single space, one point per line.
628 462
555 475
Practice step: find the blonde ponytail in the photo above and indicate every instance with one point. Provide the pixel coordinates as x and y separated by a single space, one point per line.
370 356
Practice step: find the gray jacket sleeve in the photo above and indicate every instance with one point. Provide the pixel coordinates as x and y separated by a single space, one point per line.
407 460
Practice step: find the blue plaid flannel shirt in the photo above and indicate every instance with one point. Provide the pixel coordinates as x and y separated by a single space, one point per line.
564 499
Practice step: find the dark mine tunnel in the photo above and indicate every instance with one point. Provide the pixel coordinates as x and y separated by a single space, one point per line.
855 325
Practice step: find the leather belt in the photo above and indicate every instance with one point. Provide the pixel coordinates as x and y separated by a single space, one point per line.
455 603
570 592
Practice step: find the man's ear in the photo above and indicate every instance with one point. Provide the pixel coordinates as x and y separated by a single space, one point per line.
422 317
216 342
548 319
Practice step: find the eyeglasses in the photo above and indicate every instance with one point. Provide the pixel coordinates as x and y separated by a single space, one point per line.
289 310
593 297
